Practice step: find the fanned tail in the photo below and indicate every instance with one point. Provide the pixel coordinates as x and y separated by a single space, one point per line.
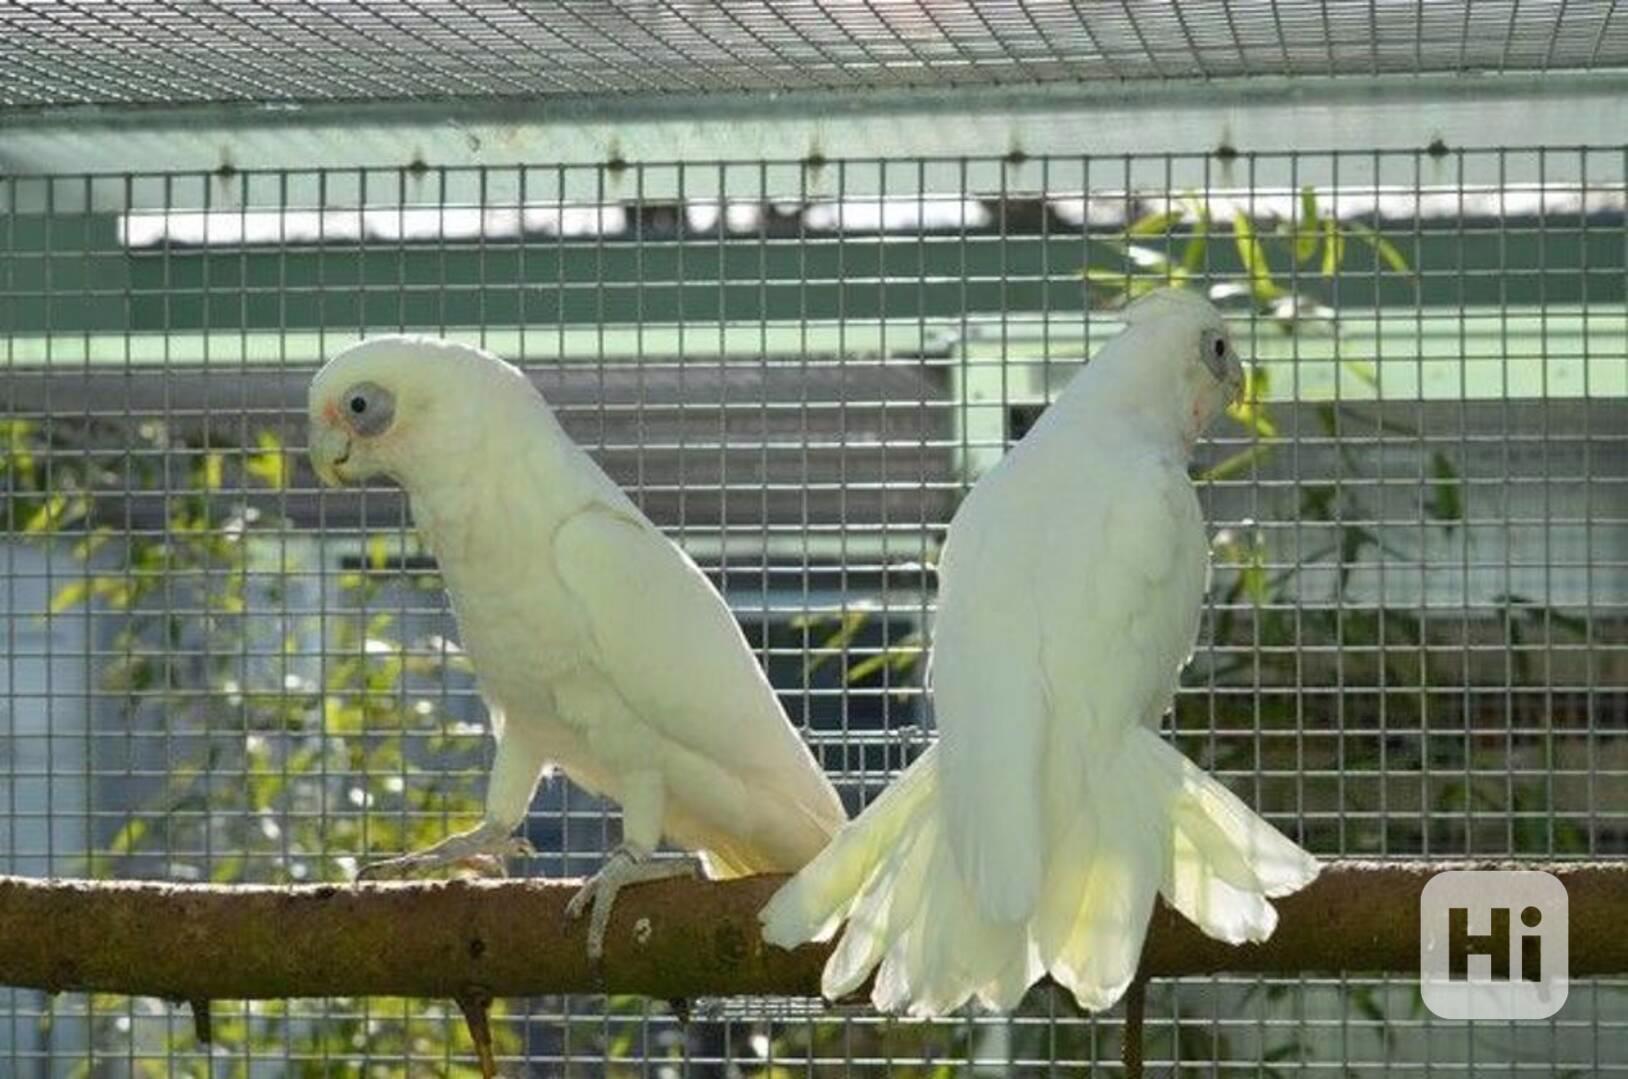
1148 822
890 876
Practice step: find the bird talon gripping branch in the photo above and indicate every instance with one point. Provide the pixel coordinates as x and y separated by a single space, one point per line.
626 866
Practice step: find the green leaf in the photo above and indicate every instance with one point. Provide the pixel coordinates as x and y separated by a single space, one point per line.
1250 407
270 465
1353 540
901 657
378 553
69 595
1114 279
211 472
92 543
1305 231
1333 247
1253 255
1192 253
1446 503
16 455
1238 462
1364 370
849 623
1155 224
1248 556
1253 415
1382 247
57 512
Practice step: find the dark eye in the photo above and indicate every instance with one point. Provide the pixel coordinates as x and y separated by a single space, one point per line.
1214 352
371 408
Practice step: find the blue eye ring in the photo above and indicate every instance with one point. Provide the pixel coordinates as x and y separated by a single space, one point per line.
371 408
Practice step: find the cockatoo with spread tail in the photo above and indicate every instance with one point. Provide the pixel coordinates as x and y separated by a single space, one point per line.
1032 837
597 644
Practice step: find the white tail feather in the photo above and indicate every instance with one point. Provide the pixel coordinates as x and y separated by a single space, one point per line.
1147 822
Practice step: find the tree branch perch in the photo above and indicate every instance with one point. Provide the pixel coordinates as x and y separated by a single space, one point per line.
674 939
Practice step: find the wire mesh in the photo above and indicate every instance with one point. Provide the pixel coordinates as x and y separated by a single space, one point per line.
1417 640
167 51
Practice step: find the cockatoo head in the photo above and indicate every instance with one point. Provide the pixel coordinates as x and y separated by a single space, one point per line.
408 407
1184 355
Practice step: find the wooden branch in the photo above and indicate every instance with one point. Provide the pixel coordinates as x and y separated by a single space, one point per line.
676 939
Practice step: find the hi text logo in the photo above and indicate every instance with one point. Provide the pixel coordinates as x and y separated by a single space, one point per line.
1492 944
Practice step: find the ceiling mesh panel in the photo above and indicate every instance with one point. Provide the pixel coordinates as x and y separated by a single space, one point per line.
60 52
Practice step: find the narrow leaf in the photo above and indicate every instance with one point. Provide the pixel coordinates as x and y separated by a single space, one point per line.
69 595
1308 203
1252 414
1238 462
1333 247
1364 371
1447 503
1253 255
1305 232
1155 224
1382 247
1192 255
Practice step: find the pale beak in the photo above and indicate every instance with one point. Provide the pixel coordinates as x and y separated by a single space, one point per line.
330 449
1237 378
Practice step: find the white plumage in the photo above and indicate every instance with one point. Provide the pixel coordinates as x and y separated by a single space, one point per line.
1034 835
597 643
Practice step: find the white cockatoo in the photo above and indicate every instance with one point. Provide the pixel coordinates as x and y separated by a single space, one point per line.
597 644
1033 835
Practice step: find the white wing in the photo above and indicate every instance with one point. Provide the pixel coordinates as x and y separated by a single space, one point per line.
1122 608
675 655
989 700
1071 593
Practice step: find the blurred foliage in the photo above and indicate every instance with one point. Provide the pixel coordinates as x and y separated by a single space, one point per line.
287 730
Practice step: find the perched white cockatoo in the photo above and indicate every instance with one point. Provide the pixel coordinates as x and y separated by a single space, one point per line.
1033 836
598 645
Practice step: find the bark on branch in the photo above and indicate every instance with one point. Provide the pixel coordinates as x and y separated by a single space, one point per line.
675 939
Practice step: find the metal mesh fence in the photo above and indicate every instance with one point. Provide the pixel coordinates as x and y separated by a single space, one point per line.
168 51
1417 641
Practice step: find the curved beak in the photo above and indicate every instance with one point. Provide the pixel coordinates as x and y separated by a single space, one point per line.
330 449
1238 380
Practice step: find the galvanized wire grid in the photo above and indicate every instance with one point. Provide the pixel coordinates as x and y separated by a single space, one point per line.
1417 642
168 51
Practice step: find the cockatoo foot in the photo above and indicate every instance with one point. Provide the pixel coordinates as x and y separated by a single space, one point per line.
627 865
485 848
